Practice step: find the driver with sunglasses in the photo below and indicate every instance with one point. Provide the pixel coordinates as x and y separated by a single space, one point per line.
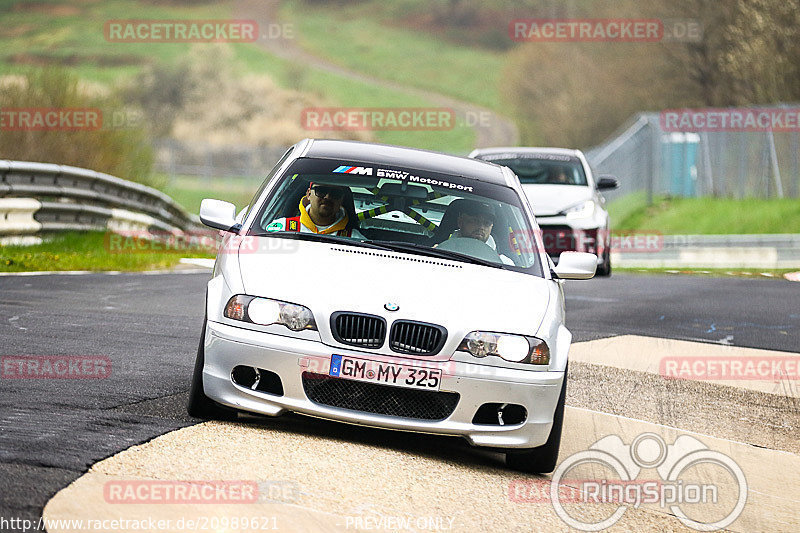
321 212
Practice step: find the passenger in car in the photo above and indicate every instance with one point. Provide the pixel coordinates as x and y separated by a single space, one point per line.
321 211
475 221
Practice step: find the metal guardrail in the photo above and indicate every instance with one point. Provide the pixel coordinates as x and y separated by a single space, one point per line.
782 240
646 156
715 251
44 197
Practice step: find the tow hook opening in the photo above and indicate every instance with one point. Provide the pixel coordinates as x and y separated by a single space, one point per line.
257 379
500 414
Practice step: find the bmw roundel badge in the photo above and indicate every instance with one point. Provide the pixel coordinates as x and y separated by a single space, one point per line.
391 307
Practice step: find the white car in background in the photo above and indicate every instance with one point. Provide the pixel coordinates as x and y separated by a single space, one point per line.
565 198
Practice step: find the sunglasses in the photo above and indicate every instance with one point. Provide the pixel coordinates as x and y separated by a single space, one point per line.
336 193
483 220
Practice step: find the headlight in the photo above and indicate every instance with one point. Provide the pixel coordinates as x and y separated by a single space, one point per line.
514 348
265 312
582 210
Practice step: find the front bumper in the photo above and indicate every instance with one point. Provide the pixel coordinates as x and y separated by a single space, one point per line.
560 234
227 347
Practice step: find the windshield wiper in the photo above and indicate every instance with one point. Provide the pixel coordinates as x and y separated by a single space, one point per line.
433 252
319 237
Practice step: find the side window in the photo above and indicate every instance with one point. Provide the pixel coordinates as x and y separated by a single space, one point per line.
271 175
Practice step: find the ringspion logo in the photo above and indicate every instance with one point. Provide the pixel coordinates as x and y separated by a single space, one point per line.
684 484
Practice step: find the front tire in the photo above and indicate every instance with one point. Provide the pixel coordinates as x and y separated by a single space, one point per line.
542 459
200 405
604 269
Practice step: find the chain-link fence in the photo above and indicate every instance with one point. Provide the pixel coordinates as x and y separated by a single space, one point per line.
175 158
736 164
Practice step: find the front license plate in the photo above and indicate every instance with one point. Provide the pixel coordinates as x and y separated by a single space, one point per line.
412 377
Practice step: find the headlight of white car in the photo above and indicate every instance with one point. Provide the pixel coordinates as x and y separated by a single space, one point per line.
265 312
514 348
582 210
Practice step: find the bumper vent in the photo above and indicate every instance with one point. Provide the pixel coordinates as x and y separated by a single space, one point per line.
357 329
257 379
416 338
559 239
379 399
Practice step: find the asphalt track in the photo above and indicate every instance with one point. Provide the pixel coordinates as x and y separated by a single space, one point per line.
52 431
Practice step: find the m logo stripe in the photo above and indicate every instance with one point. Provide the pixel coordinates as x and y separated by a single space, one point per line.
364 171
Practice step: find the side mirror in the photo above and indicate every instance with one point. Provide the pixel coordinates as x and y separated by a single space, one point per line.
606 182
218 215
576 265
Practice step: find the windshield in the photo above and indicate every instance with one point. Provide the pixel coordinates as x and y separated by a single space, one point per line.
551 169
401 209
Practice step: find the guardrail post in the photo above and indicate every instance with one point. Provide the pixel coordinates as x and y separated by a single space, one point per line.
743 164
704 143
795 179
655 160
775 169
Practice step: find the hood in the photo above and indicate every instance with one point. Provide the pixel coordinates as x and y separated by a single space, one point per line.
459 296
548 199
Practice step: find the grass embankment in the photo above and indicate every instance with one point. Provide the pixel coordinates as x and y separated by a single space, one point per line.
189 192
71 36
91 251
705 216
365 37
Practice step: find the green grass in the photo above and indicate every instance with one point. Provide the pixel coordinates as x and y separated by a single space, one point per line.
354 36
621 209
89 251
776 273
190 191
71 35
349 93
705 216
